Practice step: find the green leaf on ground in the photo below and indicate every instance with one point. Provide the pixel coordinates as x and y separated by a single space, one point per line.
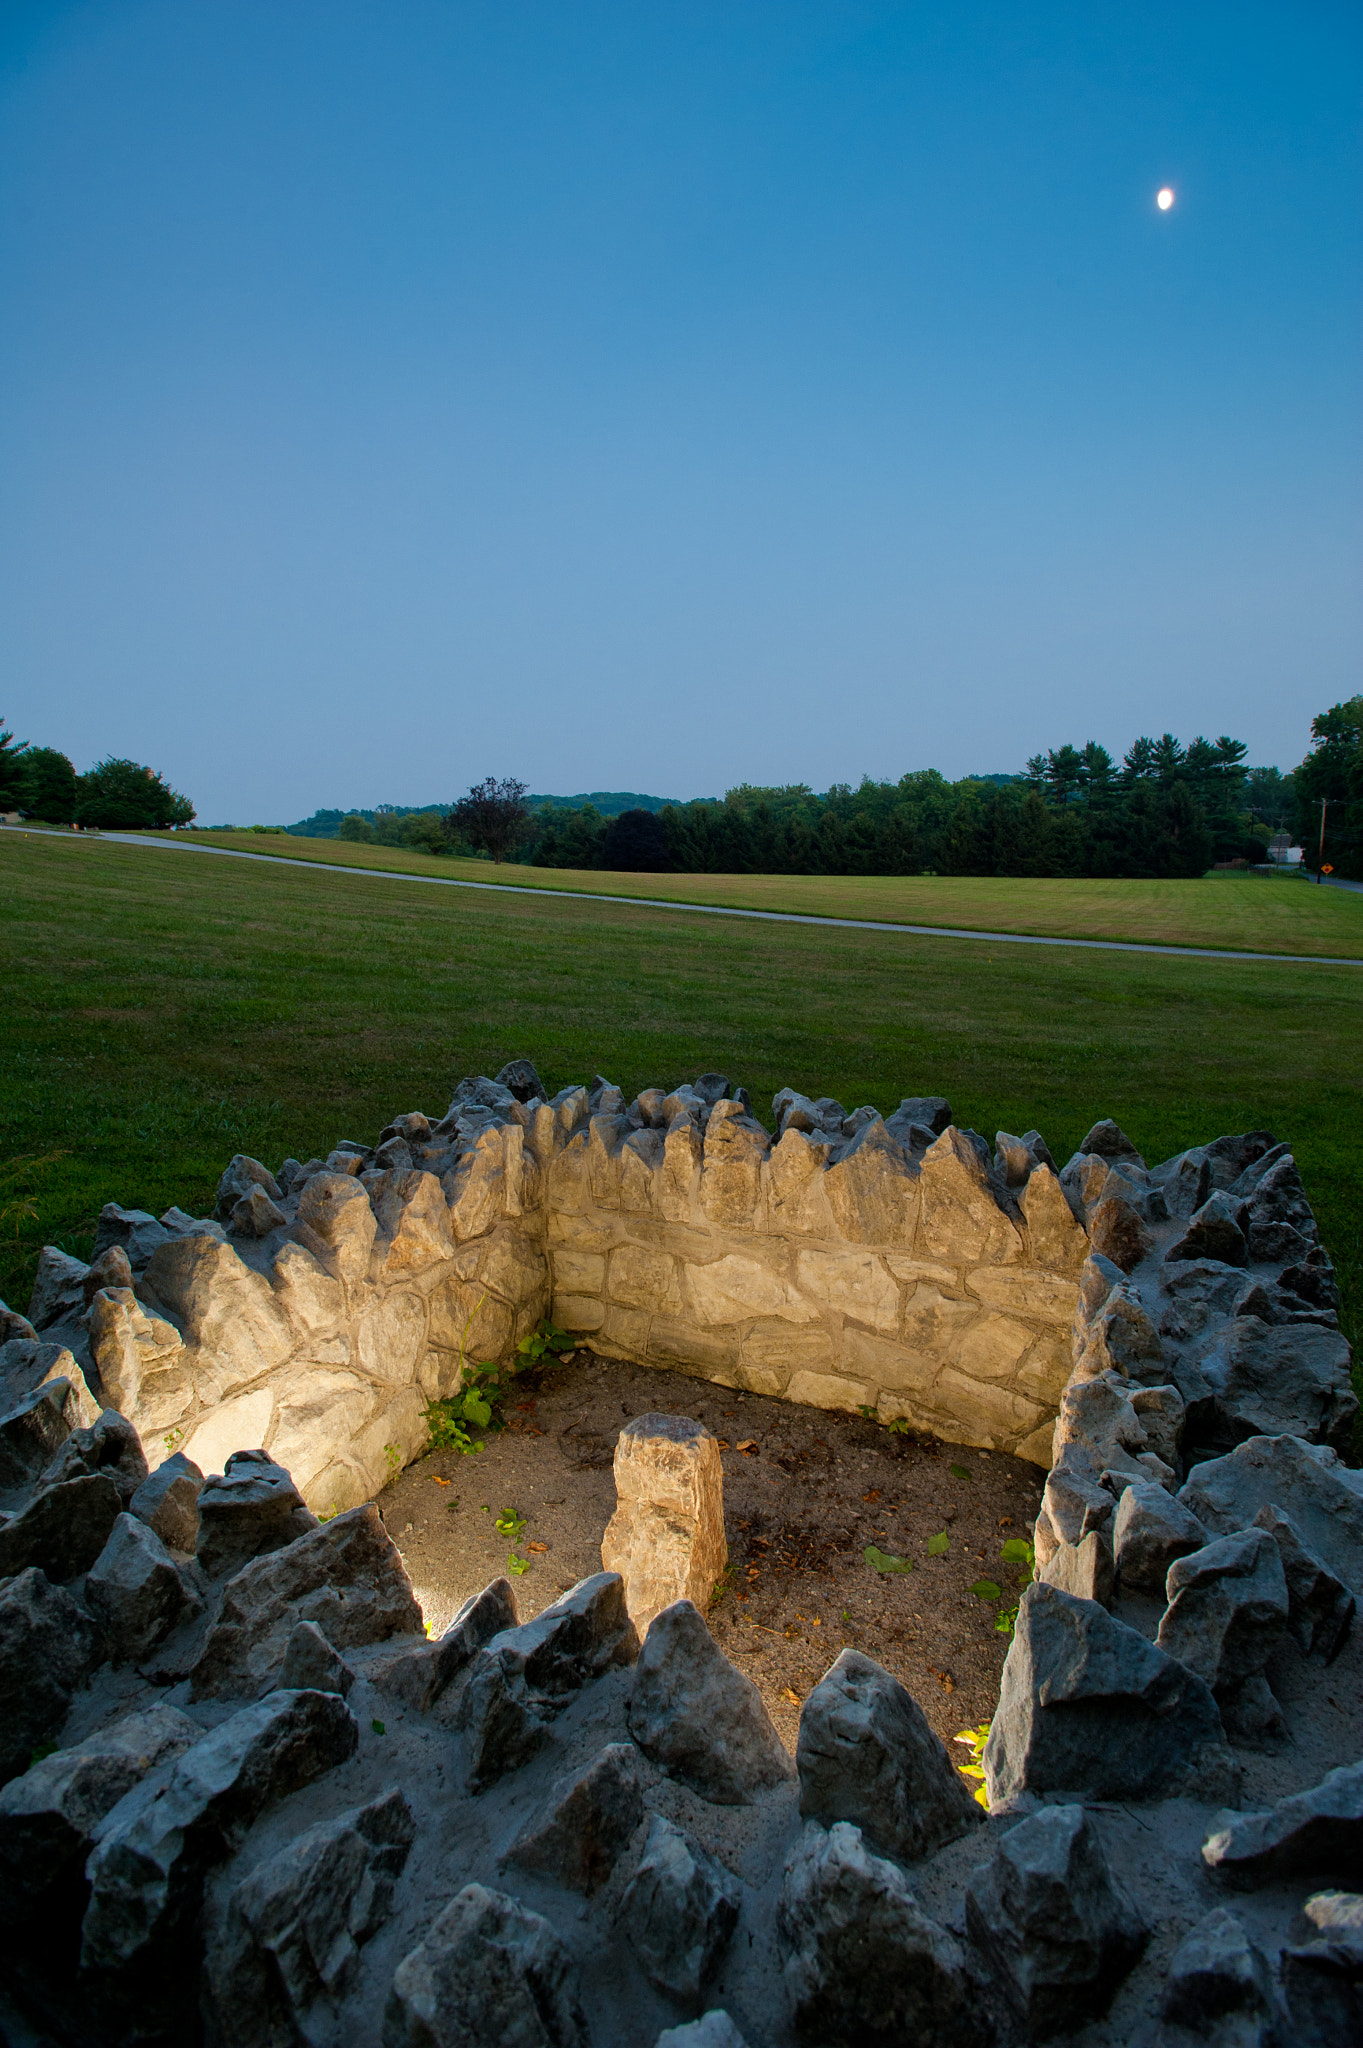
985 1589
939 1545
960 1471
518 1566
881 1561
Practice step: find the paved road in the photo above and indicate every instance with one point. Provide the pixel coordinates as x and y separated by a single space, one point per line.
858 924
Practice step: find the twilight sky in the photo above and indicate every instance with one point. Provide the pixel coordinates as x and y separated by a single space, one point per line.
661 396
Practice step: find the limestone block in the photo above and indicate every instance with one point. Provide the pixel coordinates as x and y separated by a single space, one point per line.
623 1333
579 1312
679 1180
412 1216
934 1323
886 1364
797 1189
666 1537
1035 1448
1054 1235
402 1423
679 1911
997 1418
392 1337
34 1429
873 1195
58 1287
855 1283
238 1425
959 1218
645 1279
305 1291
582 1233
732 1289
462 1313
674 1341
777 1347
132 1348
606 1135
585 1825
565 1183
1084 1568
319 1412
1118 1233
992 1347
905 1267
514 1266
830 1390
736 1146
641 1158
1023 1291
227 1312
478 1189
1044 1372
578 1272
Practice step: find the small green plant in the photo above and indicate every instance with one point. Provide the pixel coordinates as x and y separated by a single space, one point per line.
378 1727
899 1427
517 1565
482 1388
1021 1554
975 1740
985 1589
545 1339
392 1458
960 1471
882 1561
939 1545
510 1523
172 1440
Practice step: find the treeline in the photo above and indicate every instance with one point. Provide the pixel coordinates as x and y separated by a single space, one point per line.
1165 810
1332 776
115 795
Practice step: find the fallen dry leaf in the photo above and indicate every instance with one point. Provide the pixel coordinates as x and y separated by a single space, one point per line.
537 1546
747 1445
874 1494
723 1443
438 1480
793 1697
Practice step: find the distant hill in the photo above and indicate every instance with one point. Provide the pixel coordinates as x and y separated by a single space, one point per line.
608 802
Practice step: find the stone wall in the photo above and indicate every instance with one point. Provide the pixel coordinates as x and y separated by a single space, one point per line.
851 1261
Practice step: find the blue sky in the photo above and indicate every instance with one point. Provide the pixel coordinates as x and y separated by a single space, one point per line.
662 396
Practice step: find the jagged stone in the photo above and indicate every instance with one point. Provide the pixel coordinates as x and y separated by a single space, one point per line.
143 1370
49 1815
1162 1413
714 2030
1055 1236
1116 1230
310 1663
520 1680
1213 1232
135 1590
26 1361
1084 1568
1281 1225
62 1530
137 1231
168 1502
346 1576
1227 1612
291 1932
678 1911
58 1288
1322 1978
863 1963
1098 1416
1075 1501
1108 1140
1151 1529
1121 1337
146 1872
34 1430
1305 1482
487 1971
252 1508
666 1537
423 1675
48 1647
226 1312
587 1821
1088 1706
110 1446
1045 1913
240 1177
1293 1379
255 1215
1316 1833
699 1718
111 1269
1320 1607
1220 1988
1197 1291
866 1754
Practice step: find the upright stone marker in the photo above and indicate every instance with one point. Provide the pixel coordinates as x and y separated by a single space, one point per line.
666 1537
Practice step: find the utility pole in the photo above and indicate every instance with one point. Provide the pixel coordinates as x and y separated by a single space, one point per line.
1321 857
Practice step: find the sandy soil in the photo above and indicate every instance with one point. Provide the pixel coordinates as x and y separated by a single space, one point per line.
804 1493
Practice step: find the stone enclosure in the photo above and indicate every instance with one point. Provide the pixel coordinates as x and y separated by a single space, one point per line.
245 1800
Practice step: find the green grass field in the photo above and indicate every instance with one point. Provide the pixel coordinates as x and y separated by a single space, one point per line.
163 1011
1243 913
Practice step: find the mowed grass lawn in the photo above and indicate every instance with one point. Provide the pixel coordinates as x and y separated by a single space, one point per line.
162 1011
1245 913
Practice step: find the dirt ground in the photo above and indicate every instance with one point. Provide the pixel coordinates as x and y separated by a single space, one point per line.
805 1492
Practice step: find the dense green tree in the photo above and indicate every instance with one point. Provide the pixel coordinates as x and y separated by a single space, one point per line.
119 795
1332 774
356 829
49 786
493 818
12 769
635 842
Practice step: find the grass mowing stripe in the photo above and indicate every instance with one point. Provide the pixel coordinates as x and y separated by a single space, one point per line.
161 1015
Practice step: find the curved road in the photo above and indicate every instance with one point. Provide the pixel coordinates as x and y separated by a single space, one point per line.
859 924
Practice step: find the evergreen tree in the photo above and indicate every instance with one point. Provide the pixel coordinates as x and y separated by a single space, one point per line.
12 769
49 786
1333 772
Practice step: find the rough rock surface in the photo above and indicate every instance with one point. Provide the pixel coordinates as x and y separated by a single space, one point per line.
587 1823
1088 1706
488 1970
1047 1915
48 1647
863 1961
252 1507
866 1754
678 1910
1319 1832
1150 1531
424 1674
62 1530
1304 1482
666 1537
1227 1612
168 1502
698 1718
136 1591
311 1665
1220 1988
346 1576
1320 1606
